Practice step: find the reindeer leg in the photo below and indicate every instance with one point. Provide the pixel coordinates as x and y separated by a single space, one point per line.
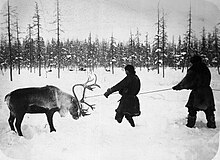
11 122
49 115
19 119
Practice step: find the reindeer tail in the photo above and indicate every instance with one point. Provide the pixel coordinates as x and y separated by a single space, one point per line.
7 98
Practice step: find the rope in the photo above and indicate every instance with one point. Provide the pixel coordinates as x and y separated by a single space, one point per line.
160 90
97 95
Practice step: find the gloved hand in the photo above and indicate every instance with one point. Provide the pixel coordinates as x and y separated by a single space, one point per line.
177 87
108 92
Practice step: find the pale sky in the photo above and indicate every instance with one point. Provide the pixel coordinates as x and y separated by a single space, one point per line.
215 2
118 17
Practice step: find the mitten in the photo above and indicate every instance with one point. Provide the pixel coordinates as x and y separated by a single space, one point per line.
108 92
177 87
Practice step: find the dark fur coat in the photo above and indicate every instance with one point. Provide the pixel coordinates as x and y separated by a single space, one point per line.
198 80
129 87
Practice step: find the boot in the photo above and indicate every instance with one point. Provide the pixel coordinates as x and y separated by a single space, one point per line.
119 117
211 122
191 121
130 120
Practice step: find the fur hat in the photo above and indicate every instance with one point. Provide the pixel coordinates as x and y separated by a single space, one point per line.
195 59
130 69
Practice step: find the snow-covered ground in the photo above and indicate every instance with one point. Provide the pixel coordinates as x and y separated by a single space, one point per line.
160 132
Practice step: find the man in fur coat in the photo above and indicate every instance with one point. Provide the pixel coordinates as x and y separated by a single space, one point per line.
201 98
129 103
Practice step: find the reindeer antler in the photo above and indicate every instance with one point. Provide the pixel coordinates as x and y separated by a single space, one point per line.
90 87
85 86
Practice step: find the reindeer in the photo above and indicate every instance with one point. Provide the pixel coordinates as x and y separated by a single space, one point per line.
48 100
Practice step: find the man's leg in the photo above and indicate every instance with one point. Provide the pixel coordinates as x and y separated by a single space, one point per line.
119 116
210 116
191 119
130 120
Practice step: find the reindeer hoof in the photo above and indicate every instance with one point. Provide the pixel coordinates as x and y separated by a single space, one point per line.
52 130
20 134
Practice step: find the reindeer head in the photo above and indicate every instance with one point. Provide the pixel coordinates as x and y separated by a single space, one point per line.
68 103
85 86
74 109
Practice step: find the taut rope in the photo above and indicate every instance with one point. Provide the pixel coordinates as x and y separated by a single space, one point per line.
159 90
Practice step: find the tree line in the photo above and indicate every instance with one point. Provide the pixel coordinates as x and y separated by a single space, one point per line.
90 54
